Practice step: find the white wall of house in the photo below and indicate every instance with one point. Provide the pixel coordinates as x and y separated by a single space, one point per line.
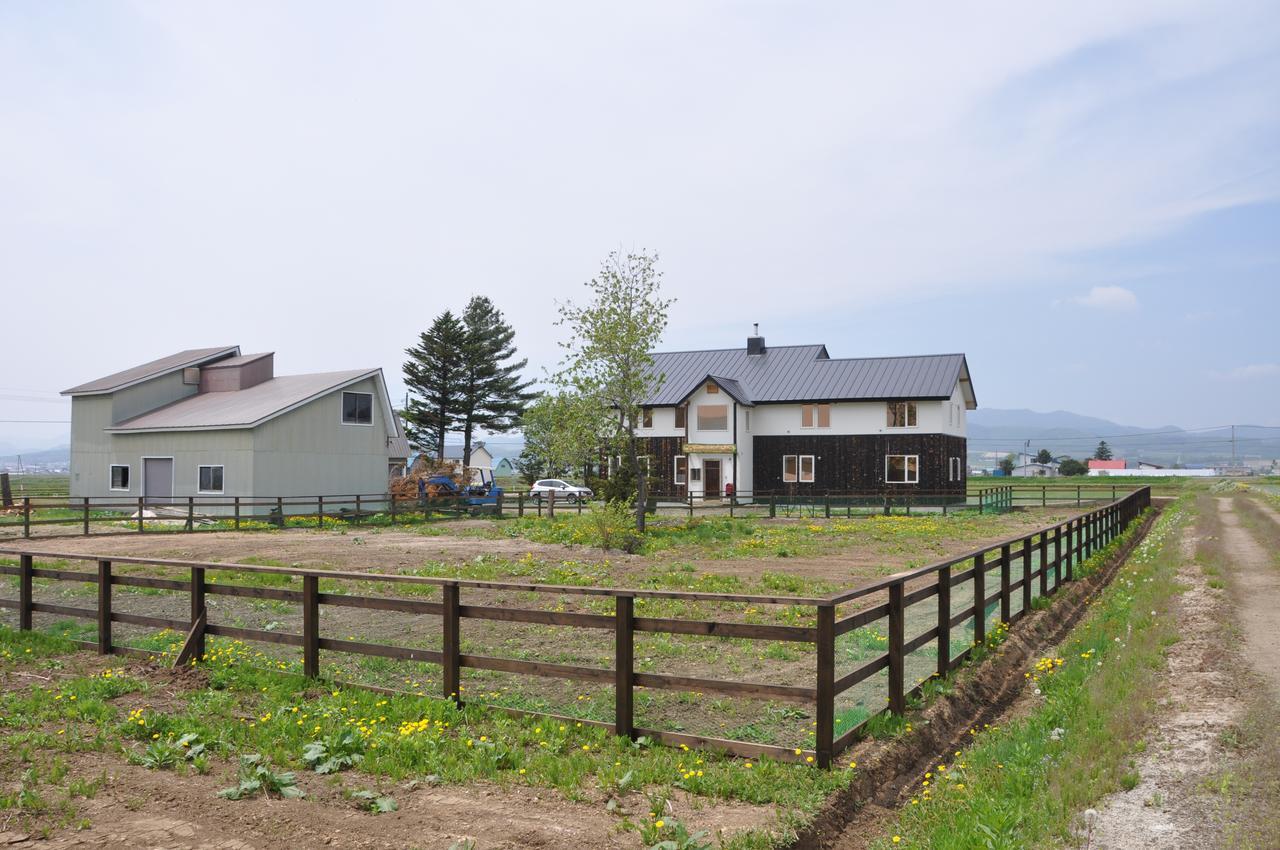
664 424
746 422
861 417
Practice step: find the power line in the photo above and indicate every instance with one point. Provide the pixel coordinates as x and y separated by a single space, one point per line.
35 421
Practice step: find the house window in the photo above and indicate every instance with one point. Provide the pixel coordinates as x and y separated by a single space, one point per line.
646 418
901 414
357 408
902 469
695 473
957 471
681 470
815 416
191 376
806 469
790 469
211 479
712 389
713 417
681 416
748 418
119 476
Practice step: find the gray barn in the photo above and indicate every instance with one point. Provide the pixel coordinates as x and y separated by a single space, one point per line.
214 423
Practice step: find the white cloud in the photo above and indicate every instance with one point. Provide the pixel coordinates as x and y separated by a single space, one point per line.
1113 298
1250 372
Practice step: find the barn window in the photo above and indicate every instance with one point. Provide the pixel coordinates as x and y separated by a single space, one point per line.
789 469
902 469
682 414
815 416
119 476
681 470
211 479
713 417
357 408
646 418
712 389
957 471
901 414
806 469
748 418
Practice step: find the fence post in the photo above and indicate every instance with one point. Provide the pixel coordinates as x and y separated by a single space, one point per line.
391 497
691 504
981 499
826 685
826 503
24 592
104 607
191 513
280 509
1005 593
773 506
320 512
624 666
198 610
26 516
310 626
449 652
1077 495
1026 571
979 599
1044 495
944 621
520 505
357 509
498 501
86 516
1057 556
141 527
897 679
237 511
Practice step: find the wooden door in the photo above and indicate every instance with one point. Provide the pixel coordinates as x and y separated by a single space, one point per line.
711 478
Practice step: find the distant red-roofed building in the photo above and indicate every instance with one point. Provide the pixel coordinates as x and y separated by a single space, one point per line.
1106 464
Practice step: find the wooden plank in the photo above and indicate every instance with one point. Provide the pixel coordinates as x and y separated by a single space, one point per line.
149 621
919 595
10 603
753 631
451 657
1025 582
65 611
191 647
66 575
546 618
944 620
867 670
286 638
897 617
199 612
381 650
861 618
542 669
666 682
310 627
104 607
825 695
1006 603
960 617
624 666
919 640
248 592
742 749
147 581
381 603
980 598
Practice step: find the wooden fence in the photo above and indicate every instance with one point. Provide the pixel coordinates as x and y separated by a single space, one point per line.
887 599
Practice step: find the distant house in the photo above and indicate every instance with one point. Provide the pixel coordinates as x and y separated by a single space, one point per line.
481 459
504 468
1106 467
212 422
1037 470
794 419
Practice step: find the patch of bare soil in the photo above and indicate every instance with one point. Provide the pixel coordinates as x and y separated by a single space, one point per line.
1257 585
1201 701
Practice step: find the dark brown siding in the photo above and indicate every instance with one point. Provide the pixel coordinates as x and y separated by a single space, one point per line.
855 464
662 452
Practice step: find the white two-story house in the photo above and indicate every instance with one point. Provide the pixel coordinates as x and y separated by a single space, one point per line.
793 419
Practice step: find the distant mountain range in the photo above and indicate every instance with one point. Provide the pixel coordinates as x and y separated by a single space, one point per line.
1065 433
39 457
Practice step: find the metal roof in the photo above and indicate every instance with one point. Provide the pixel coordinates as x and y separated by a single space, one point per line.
243 408
240 360
181 360
797 373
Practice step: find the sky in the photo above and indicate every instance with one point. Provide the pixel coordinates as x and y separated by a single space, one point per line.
1084 198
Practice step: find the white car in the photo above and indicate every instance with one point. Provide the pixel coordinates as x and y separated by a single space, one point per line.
565 492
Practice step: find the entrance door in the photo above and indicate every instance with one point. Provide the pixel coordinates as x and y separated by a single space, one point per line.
157 479
711 476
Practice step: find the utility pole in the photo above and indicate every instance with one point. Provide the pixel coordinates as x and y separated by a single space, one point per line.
1233 445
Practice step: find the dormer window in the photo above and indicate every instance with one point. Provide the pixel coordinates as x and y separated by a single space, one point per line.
712 388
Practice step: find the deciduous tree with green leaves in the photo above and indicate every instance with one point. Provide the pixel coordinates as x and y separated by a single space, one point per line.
561 430
608 363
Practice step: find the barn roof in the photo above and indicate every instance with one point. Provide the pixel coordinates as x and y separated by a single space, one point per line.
806 373
153 369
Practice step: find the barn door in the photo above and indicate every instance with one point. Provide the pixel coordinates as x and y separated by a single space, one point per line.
157 479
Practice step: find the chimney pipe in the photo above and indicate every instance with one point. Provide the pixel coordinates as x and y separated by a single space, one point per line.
755 342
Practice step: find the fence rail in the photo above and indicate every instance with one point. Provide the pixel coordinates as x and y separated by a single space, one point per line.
886 599
238 512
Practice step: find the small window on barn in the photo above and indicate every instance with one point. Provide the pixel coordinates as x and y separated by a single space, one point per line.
681 471
815 416
902 469
713 417
682 414
901 414
957 471
806 469
191 376
357 408
646 418
211 479
789 469
119 476
712 389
